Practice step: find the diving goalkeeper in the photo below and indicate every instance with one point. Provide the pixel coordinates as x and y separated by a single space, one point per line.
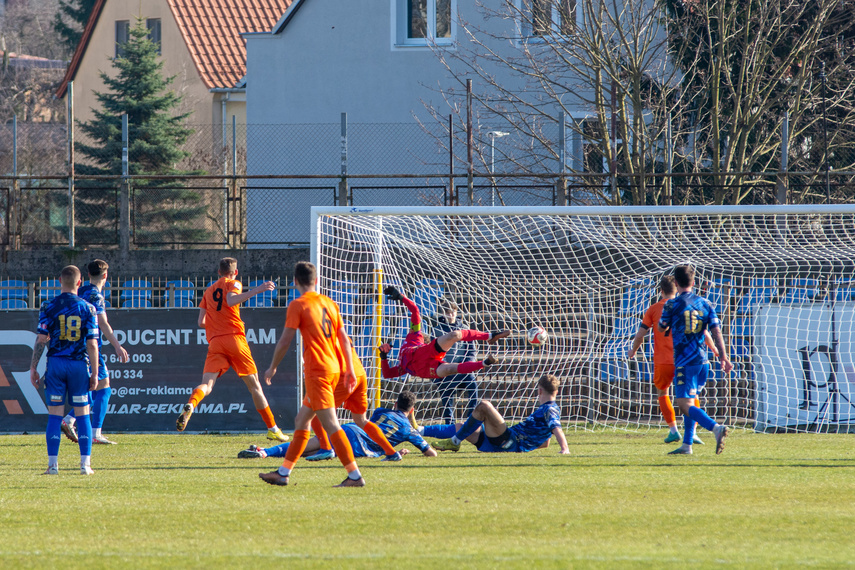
424 359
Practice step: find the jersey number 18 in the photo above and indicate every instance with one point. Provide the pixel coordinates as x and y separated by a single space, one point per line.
69 329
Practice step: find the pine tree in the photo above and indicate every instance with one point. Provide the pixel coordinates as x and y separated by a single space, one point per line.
163 211
71 19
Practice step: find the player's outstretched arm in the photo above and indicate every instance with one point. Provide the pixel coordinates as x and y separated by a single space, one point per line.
107 331
233 299
387 371
279 353
562 441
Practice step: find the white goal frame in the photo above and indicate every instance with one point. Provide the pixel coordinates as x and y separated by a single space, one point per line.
765 317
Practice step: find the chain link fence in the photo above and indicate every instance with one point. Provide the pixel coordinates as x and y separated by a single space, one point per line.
258 182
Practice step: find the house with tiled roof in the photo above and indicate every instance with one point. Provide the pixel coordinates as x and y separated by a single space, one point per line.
200 42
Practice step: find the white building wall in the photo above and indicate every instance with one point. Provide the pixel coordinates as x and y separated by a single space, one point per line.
338 56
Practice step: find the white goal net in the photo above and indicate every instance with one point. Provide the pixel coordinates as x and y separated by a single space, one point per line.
781 277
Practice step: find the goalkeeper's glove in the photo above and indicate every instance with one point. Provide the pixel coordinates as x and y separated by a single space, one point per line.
393 293
384 354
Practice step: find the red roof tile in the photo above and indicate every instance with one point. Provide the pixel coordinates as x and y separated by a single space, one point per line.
212 31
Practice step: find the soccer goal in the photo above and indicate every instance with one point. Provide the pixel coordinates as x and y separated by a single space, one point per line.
781 277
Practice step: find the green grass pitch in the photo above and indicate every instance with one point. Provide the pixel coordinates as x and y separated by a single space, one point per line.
617 500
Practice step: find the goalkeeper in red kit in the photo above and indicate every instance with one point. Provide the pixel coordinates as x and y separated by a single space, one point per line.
423 358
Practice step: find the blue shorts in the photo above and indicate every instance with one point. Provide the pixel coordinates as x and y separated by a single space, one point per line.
102 366
363 446
511 445
67 376
689 380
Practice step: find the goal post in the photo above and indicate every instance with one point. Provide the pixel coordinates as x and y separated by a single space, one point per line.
782 279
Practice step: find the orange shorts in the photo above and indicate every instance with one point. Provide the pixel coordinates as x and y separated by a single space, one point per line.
663 375
229 351
356 401
320 389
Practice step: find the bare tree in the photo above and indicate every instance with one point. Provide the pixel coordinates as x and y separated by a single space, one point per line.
604 64
756 61
27 28
717 73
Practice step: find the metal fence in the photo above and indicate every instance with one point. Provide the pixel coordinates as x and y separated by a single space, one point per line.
261 181
141 291
273 211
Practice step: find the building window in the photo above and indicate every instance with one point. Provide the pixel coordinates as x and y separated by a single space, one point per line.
123 34
153 25
549 17
421 22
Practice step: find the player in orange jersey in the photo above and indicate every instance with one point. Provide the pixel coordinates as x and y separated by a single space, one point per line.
219 313
356 401
663 356
325 346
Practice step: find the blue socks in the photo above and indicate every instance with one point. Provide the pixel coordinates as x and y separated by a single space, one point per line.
688 430
469 427
84 434
702 418
277 450
441 431
53 435
99 405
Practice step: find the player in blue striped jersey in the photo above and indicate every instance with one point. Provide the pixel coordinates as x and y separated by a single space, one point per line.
486 428
685 318
69 324
393 422
100 397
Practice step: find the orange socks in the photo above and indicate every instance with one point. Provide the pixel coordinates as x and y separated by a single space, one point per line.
196 397
377 435
667 410
267 416
697 402
323 441
342 450
297 447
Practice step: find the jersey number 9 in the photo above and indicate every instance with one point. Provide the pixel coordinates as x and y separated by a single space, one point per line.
218 297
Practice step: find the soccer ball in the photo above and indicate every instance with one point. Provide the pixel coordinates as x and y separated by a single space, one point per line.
536 336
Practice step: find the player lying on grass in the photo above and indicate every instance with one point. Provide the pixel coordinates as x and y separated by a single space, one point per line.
424 359
486 428
393 422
